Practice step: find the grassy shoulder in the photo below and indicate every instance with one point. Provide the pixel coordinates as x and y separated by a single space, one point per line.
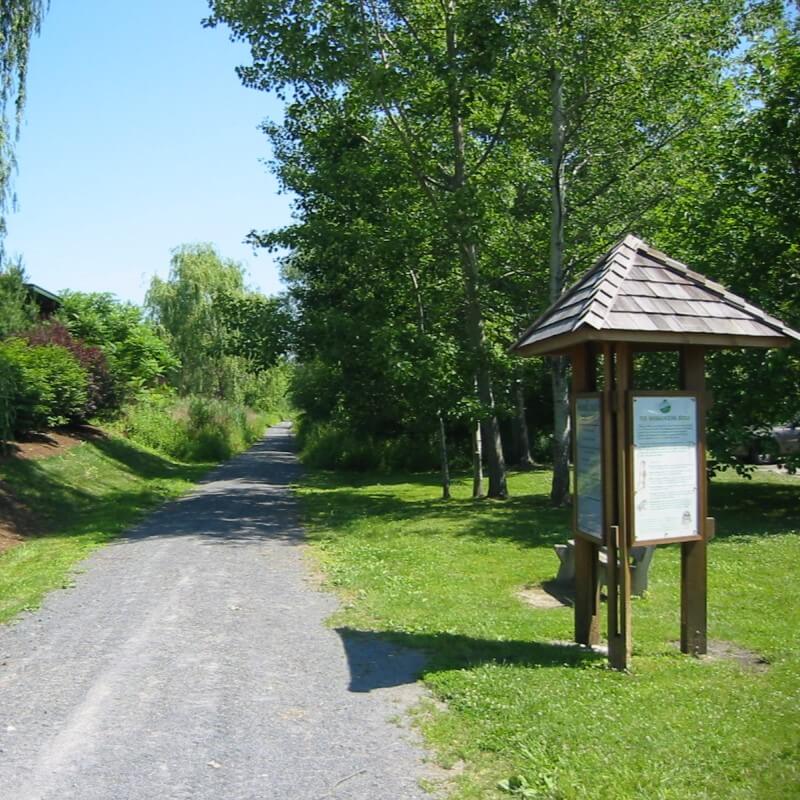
444 577
82 499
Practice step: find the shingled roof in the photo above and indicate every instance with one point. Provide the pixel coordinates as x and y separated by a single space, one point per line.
636 293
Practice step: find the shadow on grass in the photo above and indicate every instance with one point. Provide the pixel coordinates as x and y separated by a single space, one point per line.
62 506
755 508
741 508
379 660
526 519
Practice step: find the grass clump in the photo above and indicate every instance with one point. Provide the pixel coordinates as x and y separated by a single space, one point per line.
534 718
193 428
82 499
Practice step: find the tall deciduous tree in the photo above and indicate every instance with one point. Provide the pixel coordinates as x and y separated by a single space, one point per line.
424 69
630 87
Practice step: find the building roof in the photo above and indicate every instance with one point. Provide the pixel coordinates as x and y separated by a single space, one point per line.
636 293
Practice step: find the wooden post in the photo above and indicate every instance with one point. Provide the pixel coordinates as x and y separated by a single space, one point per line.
694 568
587 585
619 627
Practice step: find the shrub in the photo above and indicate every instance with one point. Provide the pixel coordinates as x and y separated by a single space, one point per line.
193 428
100 391
51 386
10 379
330 446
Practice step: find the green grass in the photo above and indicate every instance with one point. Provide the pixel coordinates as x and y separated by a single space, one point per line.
444 576
84 498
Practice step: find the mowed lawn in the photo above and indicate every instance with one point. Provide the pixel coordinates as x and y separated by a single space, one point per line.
528 717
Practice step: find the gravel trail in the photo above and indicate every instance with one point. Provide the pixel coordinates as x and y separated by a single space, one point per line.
190 660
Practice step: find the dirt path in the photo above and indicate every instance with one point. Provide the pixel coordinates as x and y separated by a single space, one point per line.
190 660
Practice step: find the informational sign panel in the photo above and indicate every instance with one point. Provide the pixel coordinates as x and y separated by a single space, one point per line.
589 465
665 468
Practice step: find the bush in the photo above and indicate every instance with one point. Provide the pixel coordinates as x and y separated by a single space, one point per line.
10 379
101 393
50 385
191 429
328 446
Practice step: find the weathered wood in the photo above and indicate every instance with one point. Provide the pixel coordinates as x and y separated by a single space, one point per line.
587 586
636 293
694 567
619 638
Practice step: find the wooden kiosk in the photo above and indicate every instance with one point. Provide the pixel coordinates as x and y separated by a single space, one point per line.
640 457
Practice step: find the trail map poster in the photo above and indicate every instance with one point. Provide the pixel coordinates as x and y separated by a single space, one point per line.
665 471
589 466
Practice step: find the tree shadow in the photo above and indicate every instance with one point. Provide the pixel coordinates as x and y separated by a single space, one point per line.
382 659
528 520
754 508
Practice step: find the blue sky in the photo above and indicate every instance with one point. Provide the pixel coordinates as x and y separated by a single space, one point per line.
138 137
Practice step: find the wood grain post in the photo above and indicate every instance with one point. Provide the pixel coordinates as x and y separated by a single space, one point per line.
619 627
587 585
694 562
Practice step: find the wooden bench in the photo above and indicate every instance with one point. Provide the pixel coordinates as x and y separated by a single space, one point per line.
640 565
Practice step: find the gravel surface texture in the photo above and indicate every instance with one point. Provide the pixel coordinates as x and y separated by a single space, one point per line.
191 660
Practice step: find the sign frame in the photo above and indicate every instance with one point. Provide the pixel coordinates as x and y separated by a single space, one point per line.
599 539
698 461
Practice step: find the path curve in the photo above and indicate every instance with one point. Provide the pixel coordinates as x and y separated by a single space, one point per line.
190 660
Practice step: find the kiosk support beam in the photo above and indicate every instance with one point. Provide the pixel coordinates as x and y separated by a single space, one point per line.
619 618
587 585
694 589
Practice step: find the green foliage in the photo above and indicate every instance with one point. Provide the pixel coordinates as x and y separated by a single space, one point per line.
224 336
137 356
444 578
19 20
184 307
193 428
327 446
10 379
737 219
419 142
51 388
17 311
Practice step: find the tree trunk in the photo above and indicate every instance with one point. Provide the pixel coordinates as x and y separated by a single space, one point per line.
443 460
523 449
559 493
443 457
462 224
477 461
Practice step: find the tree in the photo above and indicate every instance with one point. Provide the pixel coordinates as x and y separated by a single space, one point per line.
19 20
137 356
223 335
418 67
629 90
736 218
17 312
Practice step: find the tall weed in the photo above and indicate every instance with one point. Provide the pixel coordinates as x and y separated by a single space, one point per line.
192 428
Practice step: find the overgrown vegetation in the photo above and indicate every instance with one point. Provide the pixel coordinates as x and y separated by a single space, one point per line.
542 718
192 428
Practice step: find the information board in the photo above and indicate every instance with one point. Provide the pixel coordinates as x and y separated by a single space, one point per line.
665 468
589 465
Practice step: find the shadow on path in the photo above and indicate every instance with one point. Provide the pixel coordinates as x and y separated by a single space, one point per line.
247 499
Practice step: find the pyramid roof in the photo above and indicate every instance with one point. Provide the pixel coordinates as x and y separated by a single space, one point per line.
636 293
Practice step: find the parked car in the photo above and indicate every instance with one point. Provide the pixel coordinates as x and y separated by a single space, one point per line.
775 442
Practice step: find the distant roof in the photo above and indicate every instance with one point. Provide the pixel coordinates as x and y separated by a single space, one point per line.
636 293
37 290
